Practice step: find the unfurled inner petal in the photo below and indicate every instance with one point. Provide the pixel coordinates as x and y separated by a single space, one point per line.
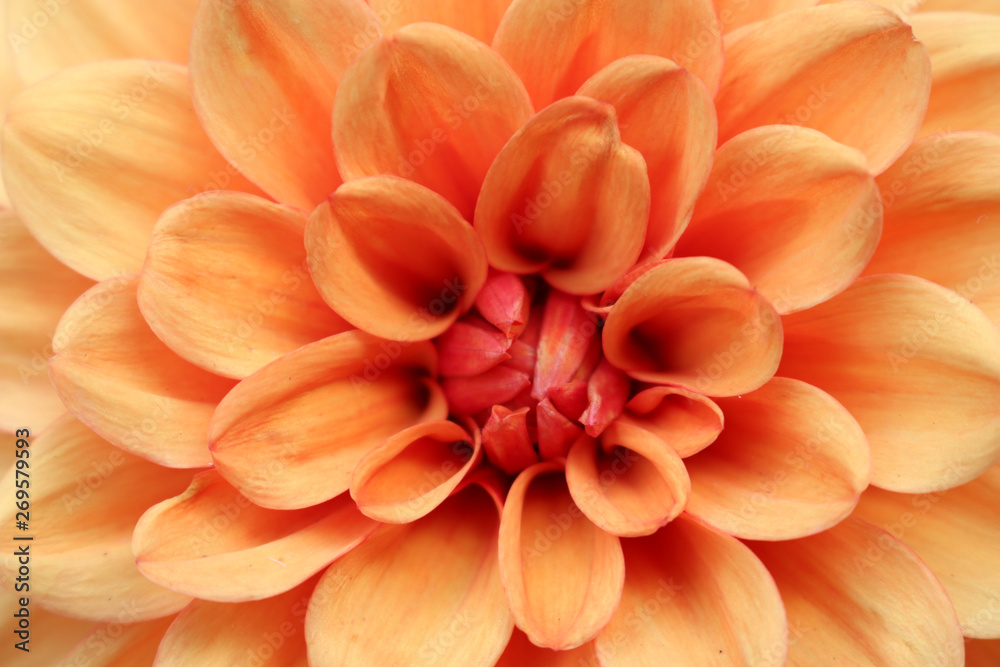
685 420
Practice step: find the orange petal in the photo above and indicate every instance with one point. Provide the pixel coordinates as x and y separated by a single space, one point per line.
226 283
429 104
965 65
982 6
791 462
38 289
695 595
264 74
212 543
507 441
694 322
736 13
290 435
554 46
562 574
92 156
504 302
368 609
86 497
47 37
117 377
982 653
414 471
645 90
856 596
468 348
851 70
795 211
919 368
389 241
119 645
520 652
50 636
957 533
631 486
567 199
685 420
479 19
942 212
607 392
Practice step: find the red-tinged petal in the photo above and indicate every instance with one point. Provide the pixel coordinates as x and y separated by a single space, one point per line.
689 576
795 211
555 46
389 241
290 435
504 302
119 644
982 652
429 104
86 497
919 368
965 65
414 471
117 377
957 533
570 398
506 440
263 633
522 357
212 543
696 323
426 593
469 395
556 431
264 74
855 595
736 13
35 290
479 19
942 212
520 652
47 37
790 462
645 90
470 348
607 391
851 70
92 156
630 486
563 575
566 198
61 634
685 420
226 283
565 335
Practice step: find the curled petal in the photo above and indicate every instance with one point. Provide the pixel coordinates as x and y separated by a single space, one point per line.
507 441
226 283
851 70
556 431
566 198
696 323
212 543
469 395
504 302
685 420
471 347
389 241
919 368
564 338
563 575
795 211
607 393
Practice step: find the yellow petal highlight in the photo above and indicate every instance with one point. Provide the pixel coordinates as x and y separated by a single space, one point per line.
685 420
393 242
479 19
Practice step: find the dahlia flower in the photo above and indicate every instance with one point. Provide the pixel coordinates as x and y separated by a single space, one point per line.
531 332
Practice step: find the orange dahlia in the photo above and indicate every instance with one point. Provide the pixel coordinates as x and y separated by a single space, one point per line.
532 332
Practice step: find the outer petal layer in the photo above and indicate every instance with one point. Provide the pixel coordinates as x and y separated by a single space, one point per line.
116 644
479 19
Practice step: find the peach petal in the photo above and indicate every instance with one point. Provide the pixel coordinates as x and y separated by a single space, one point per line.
212 543
117 377
696 323
851 70
504 302
942 210
393 242
607 392
795 211
556 432
368 609
478 19
506 440
645 90
566 198
736 13
856 595
35 286
555 46
116 644
790 462
226 283
965 66
431 104
290 435
413 472
981 6
917 365
685 420
957 533
264 74
632 485
520 652
61 634
471 347
562 574
86 497
690 576
93 154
